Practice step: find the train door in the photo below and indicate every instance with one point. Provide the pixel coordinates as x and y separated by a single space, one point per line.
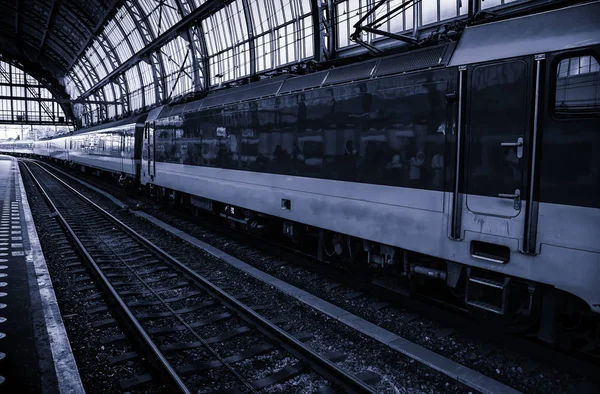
122 151
497 143
151 150
498 120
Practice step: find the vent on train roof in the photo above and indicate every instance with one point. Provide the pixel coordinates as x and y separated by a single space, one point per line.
193 106
166 111
350 73
304 82
248 92
415 60
121 122
249 86
178 109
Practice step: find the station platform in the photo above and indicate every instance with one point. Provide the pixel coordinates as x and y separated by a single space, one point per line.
35 354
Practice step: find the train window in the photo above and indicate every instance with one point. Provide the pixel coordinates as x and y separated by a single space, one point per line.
577 86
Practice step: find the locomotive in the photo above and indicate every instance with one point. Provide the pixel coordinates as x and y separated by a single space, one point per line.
471 167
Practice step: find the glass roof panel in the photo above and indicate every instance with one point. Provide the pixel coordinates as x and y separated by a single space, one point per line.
147 82
133 78
90 72
135 88
190 5
431 11
95 62
109 96
108 92
258 10
115 36
161 14
81 76
282 30
227 38
179 72
22 106
130 28
103 56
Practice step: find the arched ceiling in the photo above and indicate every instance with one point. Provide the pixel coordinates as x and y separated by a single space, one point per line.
50 33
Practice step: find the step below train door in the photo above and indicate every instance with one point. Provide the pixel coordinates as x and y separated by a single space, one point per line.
498 118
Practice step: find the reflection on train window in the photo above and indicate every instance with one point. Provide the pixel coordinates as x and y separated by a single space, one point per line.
577 85
375 132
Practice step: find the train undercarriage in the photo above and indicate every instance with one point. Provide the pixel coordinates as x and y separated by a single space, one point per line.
504 303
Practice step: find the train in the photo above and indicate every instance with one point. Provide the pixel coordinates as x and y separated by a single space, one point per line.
468 170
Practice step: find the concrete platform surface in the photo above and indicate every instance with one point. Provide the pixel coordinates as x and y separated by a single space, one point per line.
35 354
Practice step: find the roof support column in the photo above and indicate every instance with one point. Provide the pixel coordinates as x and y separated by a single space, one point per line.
189 37
53 9
203 50
126 92
251 43
122 82
323 20
158 68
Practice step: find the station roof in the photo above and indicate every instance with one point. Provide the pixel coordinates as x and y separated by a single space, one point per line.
119 57
50 33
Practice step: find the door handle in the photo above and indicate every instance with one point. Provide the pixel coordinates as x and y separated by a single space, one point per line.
518 145
516 197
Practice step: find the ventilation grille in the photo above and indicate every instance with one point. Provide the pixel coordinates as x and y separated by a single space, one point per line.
177 110
350 73
423 58
304 82
193 106
251 92
166 111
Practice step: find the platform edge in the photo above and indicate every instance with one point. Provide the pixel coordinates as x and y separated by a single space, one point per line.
65 367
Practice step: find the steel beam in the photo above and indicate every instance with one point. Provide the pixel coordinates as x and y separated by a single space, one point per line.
34 123
51 15
203 50
189 33
323 29
19 6
147 34
60 100
95 29
250 28
122 85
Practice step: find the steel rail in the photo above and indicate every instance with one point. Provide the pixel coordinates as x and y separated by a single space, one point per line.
318 363
127 317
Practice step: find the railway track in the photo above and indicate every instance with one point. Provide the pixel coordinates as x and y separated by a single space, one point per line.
197 336
535 355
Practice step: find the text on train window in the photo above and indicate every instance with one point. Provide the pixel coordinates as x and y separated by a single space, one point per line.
577 86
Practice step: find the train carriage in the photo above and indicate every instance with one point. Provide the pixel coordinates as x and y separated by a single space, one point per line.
483 155
471 166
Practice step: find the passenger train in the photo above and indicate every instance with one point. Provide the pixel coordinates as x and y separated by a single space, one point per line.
471 167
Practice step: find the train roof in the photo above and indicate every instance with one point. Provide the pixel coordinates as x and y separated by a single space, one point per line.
132 119
566 28
434 56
